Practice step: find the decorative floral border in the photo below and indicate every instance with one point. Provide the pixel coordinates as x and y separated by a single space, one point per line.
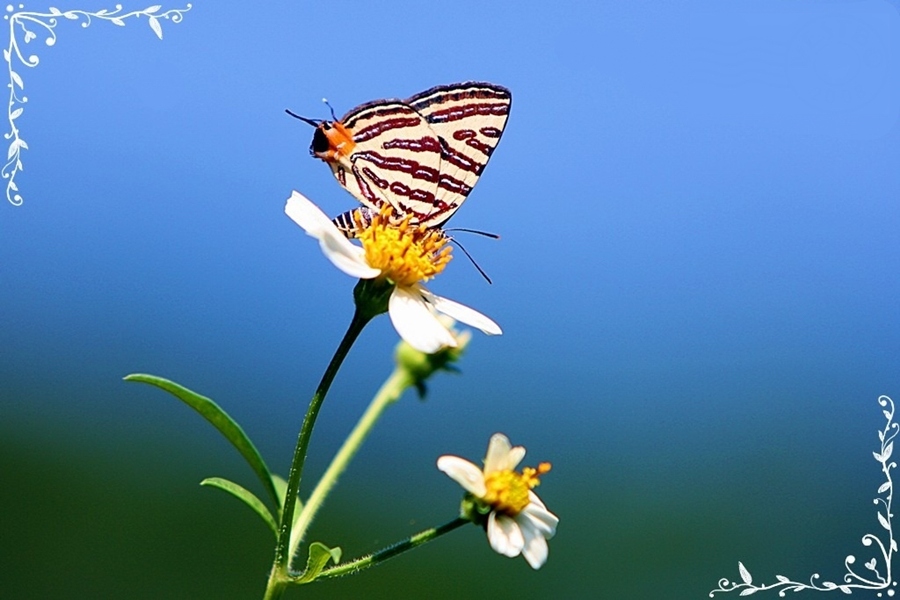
852 579
19 22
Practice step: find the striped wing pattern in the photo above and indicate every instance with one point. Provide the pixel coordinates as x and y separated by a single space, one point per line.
423 155
468 119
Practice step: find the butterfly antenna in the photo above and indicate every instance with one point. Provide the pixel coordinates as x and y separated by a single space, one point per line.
331 108
486 234
312 122
472 260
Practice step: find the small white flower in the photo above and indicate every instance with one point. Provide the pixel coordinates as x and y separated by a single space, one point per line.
518 522
404 255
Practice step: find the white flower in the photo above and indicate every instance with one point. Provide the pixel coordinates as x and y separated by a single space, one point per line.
413 309
518 522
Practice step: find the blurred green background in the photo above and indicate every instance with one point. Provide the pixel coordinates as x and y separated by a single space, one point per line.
697 282
124 518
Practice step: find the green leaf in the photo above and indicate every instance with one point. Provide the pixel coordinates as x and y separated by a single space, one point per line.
247 497
319 555
227 426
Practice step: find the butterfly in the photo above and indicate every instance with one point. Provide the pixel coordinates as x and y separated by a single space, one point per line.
422 156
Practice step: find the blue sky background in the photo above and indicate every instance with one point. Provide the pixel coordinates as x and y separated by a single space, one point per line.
697 281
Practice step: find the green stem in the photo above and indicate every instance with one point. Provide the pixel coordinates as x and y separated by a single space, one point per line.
390 391
278 577
391 551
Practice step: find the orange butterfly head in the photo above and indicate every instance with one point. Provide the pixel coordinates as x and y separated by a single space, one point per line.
332 142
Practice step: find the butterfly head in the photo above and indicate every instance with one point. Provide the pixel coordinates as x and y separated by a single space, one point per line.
331 141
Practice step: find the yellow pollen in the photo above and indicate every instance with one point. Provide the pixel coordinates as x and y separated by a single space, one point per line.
507 491
405 253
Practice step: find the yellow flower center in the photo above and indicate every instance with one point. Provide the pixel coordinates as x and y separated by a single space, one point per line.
507 491
405 253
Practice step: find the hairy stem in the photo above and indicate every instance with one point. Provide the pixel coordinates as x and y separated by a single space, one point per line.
390 391
278 577
393 550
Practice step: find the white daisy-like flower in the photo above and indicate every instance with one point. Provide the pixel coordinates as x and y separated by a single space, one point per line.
517 522
403 254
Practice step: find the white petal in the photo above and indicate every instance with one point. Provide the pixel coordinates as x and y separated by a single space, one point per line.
464 473
307 215
461 313
346 256
541 519
497 455
415 322
533 498
504 535
500 456
535 548
515 456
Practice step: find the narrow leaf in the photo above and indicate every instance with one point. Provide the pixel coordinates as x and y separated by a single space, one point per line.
12 150
16 113
152 9
884 522
884 487
782 579
280 488
877 457
887 451
71 16
117 21
155 26
219 419
22 145
745 574
16 79
12 185
245 496
894 545
748 591
319 555
6 54
55 11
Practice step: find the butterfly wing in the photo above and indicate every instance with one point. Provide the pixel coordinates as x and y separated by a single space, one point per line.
468 120
423 155
395 159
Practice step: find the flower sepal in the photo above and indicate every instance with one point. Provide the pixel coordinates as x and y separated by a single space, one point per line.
371 297
474 510
422 365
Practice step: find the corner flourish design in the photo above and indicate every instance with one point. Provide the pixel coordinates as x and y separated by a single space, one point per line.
25 24
854 579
